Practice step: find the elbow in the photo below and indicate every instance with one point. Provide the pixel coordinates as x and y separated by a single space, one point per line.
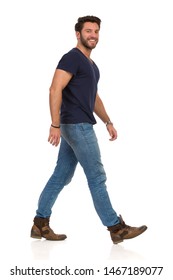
53 92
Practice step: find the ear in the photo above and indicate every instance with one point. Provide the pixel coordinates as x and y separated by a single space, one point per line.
78 35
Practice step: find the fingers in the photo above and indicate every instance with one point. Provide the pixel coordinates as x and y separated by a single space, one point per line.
113 137
54 136
54 141
112 133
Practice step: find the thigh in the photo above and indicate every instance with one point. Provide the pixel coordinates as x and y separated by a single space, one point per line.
66 162
83 140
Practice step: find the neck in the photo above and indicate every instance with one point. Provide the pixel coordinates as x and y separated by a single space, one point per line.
84 50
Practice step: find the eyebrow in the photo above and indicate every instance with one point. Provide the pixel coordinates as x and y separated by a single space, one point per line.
90 29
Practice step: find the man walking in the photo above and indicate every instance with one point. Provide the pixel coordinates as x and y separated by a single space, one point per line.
73 101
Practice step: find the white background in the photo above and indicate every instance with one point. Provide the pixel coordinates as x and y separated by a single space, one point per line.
136 63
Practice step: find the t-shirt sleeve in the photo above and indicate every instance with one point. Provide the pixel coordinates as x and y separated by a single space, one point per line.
69 63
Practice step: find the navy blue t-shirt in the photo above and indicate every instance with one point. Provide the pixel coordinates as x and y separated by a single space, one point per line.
79 95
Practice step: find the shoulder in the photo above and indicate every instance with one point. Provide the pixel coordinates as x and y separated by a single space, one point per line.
70 61
72 54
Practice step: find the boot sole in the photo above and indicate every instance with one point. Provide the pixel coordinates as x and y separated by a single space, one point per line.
117 242
40 237
36 237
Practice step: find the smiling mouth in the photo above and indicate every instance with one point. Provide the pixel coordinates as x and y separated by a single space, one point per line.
92 41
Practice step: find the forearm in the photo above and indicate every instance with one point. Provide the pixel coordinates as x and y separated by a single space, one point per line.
100 110
55 100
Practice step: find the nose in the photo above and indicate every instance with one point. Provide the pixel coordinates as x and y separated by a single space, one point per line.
94 35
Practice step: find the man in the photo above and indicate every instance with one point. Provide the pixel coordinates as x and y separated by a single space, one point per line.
73 101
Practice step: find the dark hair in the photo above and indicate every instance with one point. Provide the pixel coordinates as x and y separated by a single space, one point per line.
82 20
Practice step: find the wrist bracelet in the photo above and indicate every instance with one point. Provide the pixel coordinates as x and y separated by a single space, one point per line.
109 122
55 126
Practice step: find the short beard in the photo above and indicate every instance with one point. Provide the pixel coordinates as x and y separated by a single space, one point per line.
85 44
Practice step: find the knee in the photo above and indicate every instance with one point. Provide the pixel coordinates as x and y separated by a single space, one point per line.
97 180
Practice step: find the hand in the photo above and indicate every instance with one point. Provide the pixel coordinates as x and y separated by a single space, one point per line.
112 132
54 136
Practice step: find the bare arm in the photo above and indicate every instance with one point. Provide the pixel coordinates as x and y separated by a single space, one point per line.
60 80
100 111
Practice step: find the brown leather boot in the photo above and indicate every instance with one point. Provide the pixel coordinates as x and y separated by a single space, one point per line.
122 231
41 229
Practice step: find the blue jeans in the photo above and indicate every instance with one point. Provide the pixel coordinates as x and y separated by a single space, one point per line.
78 144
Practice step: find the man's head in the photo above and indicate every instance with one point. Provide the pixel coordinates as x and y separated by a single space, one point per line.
81 20
87 31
